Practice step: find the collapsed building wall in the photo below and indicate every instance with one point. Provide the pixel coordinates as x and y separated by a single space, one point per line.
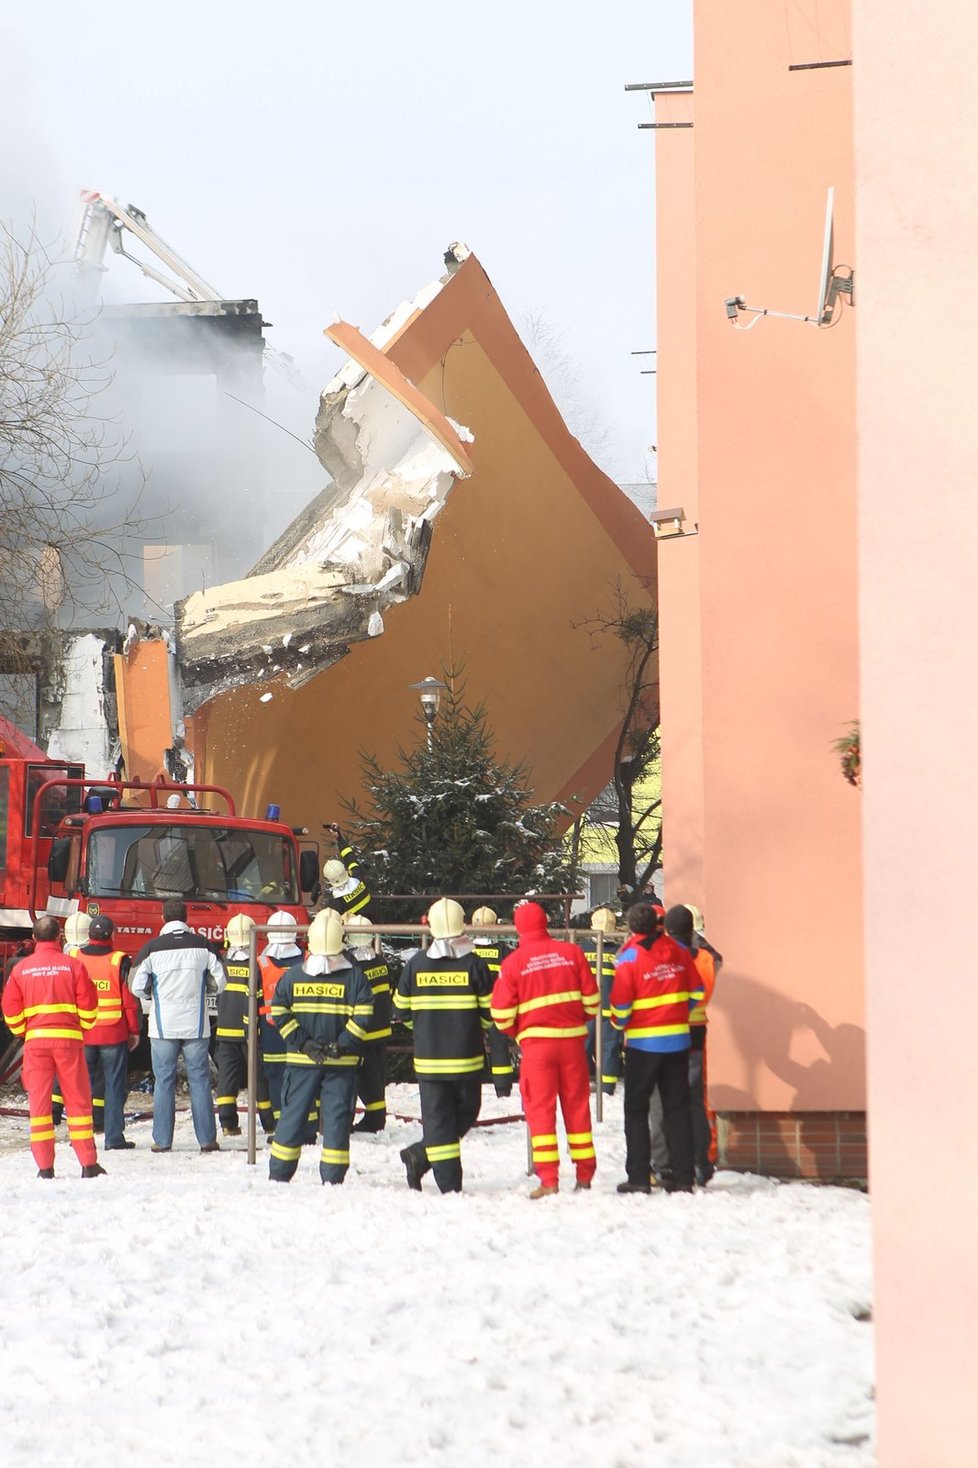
429 552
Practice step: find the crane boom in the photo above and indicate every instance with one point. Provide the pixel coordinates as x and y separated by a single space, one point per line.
103 224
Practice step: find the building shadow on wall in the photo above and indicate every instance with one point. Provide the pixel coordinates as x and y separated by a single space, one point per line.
766 1026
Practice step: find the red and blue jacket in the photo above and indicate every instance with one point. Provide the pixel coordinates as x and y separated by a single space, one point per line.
656 986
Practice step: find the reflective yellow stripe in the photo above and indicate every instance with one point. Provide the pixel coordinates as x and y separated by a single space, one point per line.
645 1031
76 1134
578 1154
659 1000
573 1138
42 1121
566 998
47 1136
235 988
543 1138
46 1034
551 1032
355 1029
503 1016
590 1002
441 1067
34 1009
333 1154
546 1154
318 1006
223 1034
285 1154
84 1119
226 1100
501 1070
445 1153
375 1106
445 1001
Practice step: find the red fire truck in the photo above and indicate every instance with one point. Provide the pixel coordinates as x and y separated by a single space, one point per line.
122 847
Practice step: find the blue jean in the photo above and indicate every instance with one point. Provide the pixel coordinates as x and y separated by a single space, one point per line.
115 1067
195 1058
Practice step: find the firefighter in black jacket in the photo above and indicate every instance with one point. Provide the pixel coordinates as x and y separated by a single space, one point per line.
344 892
492 951
603 920
322 1011
445 994
372 1075
231 1044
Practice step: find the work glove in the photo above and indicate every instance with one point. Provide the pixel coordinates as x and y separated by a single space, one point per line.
332 1051
316 1051
504 1086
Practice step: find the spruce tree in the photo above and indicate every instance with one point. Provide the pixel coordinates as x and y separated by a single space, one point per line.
454 818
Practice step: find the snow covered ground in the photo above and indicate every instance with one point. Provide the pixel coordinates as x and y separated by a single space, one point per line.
183 1310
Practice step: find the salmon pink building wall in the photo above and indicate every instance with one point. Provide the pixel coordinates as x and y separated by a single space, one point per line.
759 609
917 326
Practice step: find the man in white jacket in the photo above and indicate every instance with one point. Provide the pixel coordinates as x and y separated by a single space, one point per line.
175 972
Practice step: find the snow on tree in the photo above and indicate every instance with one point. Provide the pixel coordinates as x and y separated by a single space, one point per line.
455 818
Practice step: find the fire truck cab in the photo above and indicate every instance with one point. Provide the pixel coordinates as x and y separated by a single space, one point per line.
123 848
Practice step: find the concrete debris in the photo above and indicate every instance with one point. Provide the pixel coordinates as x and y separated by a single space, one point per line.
359 547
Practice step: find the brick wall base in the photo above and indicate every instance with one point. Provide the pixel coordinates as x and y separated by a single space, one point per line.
823 1145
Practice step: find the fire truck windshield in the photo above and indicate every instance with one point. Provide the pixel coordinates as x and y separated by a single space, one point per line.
199 862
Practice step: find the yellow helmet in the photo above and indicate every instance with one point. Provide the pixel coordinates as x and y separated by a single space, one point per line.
603 920
359 940
484 917
325 934
76 929
446 919
238 929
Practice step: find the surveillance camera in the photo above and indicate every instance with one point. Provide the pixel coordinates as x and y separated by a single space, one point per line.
733 305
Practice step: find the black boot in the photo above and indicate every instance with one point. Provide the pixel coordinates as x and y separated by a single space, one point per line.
413 1168
93 1169
45 1172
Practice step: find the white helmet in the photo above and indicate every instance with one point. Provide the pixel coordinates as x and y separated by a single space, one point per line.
603 920
326 934
696 915
359 940
484 917
335 872
446 919
76 929
238 929
282 919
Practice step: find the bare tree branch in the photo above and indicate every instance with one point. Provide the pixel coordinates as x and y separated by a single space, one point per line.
62 540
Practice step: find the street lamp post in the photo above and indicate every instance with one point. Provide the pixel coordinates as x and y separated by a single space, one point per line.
429 690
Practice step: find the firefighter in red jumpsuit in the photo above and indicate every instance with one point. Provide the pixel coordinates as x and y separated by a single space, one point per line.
544 997
50 1000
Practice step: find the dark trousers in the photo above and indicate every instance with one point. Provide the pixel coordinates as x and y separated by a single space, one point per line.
231 1057
448 1109
611 1042
110 1064
372 1085
334 1087
273 1053
644 1070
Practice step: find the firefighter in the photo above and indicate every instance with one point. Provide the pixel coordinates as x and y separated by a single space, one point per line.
444 994
322 1010
656 986
492 952
372 1074
682 924
231 1048
545 996
77 925
280 953
346 893
604 921
116 1028
50 1001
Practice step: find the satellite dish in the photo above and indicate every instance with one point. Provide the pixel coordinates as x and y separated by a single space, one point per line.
832 284
823 311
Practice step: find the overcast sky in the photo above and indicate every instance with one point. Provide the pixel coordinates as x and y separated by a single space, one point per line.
320 157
